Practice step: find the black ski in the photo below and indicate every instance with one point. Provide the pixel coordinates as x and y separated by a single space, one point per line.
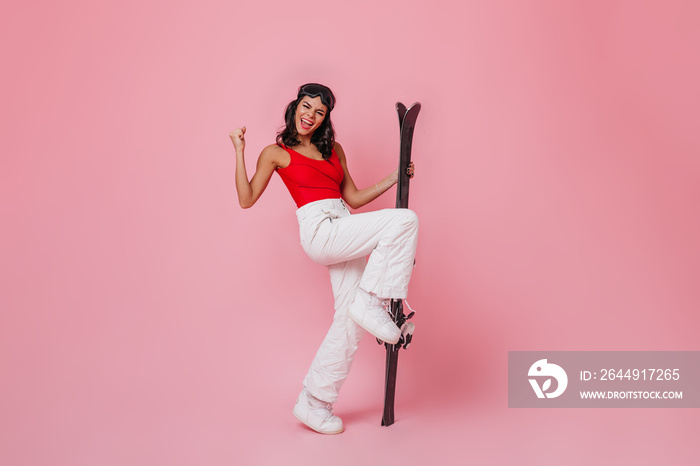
407 122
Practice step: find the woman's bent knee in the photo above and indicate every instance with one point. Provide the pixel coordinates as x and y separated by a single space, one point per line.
408 217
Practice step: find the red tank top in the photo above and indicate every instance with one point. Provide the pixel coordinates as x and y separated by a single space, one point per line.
310 180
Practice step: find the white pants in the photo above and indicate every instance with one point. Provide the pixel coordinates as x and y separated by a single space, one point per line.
331 236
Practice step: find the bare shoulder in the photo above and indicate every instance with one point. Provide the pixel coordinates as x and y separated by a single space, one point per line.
339 150
273 149
275 155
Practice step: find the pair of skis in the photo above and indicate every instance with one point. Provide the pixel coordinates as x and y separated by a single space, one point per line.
407 122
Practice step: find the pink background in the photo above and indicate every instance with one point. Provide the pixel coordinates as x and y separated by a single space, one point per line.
147 319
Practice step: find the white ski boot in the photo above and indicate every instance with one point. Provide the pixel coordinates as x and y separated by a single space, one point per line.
317 414
372 314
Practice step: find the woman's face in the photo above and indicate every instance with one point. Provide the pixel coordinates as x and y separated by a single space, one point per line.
310 114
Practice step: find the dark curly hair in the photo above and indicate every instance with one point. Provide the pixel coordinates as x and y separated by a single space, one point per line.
324 136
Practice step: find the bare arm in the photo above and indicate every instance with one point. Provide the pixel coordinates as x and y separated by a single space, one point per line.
358 197
250 191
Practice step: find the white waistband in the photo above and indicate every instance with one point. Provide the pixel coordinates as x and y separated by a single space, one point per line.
332 204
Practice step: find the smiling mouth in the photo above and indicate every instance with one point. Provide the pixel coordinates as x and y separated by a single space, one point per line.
305 124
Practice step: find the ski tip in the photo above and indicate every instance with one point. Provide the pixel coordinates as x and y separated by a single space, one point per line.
401 111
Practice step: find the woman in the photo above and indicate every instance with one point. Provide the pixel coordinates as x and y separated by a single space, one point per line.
314 169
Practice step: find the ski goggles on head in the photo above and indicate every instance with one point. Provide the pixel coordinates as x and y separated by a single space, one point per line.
318 90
